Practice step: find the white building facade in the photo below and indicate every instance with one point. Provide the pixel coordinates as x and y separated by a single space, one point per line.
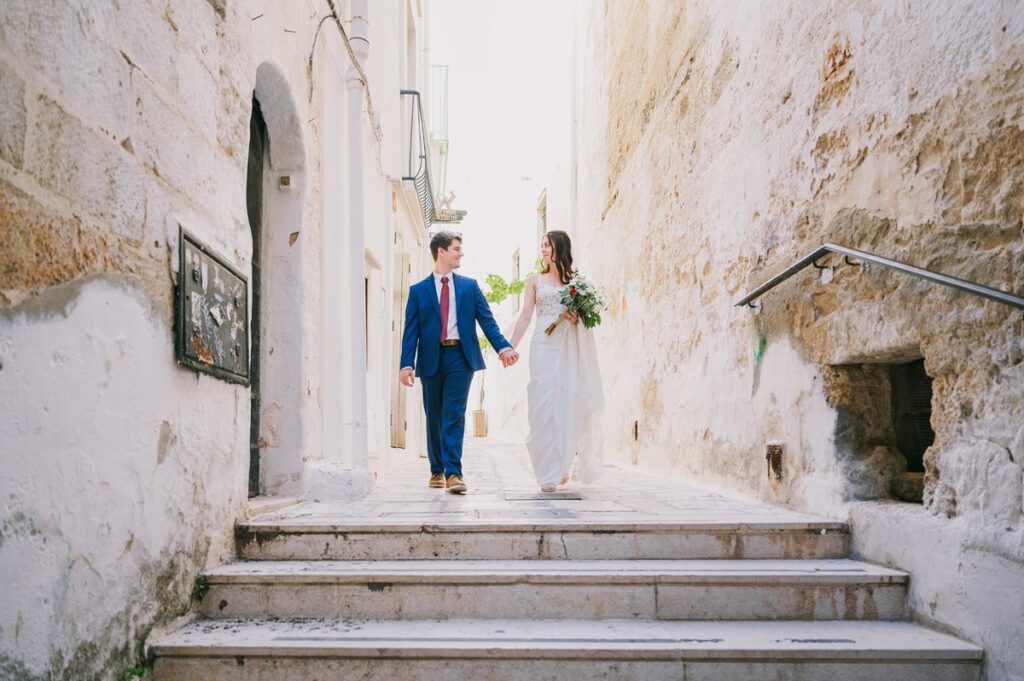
245 125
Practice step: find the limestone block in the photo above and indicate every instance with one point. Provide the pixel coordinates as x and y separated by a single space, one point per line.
233 112
165 211
167 145
12 117
41 246
91 172
198 92
145 38
92 79
195 24
231 178
236 76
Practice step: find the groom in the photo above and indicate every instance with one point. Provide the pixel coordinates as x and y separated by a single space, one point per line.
440 333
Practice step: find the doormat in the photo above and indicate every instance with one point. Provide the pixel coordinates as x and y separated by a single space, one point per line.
543 496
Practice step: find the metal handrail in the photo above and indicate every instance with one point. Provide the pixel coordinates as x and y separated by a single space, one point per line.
935 277
421 177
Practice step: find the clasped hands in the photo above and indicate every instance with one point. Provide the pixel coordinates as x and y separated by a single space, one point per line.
508 357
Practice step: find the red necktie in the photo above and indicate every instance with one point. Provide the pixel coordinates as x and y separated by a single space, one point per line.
444 309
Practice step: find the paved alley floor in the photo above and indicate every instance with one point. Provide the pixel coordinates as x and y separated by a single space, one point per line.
502 489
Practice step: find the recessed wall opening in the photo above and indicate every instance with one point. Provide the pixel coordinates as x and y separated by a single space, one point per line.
883 427
911 419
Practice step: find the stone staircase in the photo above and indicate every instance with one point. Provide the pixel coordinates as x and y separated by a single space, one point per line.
555 595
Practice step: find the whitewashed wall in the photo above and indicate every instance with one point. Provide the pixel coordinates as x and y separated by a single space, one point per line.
123 474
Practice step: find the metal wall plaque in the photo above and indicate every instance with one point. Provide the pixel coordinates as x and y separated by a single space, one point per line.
212 313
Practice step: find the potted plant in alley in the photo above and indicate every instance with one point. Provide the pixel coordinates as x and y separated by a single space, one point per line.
499 290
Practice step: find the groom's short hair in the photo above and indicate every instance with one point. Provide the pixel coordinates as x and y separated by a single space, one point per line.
443 239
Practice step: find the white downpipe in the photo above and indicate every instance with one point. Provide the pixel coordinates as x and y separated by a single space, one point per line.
574 125
359 39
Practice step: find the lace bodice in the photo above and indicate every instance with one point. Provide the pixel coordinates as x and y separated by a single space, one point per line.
549 301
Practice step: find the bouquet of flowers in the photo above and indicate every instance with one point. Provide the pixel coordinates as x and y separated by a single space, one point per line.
583 298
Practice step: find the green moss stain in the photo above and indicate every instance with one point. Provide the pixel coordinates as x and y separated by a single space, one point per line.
166 589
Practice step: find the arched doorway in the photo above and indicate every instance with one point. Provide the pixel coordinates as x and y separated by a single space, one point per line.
280 416
254 182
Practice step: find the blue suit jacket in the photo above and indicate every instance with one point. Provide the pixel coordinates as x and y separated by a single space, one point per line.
421 339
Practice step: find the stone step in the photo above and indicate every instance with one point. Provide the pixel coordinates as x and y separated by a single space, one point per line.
498 650
563 540
541 589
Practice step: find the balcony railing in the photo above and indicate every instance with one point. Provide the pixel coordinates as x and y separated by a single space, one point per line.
417 168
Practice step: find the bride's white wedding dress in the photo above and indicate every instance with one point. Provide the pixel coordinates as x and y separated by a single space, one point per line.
564 396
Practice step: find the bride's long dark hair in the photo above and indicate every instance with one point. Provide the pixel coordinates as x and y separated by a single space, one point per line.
561 255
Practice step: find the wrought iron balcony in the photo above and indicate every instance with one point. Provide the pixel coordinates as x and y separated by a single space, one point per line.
418 165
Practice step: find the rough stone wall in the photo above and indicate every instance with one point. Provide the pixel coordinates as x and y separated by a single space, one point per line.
719 142
122 474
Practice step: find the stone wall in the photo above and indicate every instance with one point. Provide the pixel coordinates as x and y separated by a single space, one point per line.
719 142
122 473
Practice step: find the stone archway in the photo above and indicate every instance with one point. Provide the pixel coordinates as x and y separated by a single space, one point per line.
278 282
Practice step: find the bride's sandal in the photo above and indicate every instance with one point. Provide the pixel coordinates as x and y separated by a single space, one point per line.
548 488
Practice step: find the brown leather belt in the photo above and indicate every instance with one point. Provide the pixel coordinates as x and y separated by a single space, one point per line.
451 341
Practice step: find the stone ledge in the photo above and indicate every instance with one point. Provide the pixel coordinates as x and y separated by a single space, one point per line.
472 525
461 572
568 639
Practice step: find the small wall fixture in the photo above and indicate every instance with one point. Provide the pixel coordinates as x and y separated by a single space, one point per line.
773 457
284 183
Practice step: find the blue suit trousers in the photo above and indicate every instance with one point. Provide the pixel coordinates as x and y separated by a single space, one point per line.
445 395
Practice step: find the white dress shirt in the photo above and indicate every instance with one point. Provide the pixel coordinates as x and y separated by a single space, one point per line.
453 318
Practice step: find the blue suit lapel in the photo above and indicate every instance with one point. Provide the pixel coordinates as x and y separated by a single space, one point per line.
463 296
431 290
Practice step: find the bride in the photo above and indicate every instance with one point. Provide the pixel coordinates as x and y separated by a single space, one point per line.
564 395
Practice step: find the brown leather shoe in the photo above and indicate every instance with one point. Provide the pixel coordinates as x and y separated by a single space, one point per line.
436 480
456 485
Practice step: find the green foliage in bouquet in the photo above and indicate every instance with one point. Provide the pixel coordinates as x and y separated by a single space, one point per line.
585 299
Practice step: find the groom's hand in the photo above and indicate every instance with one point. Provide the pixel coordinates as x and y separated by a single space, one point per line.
406 378
509 357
